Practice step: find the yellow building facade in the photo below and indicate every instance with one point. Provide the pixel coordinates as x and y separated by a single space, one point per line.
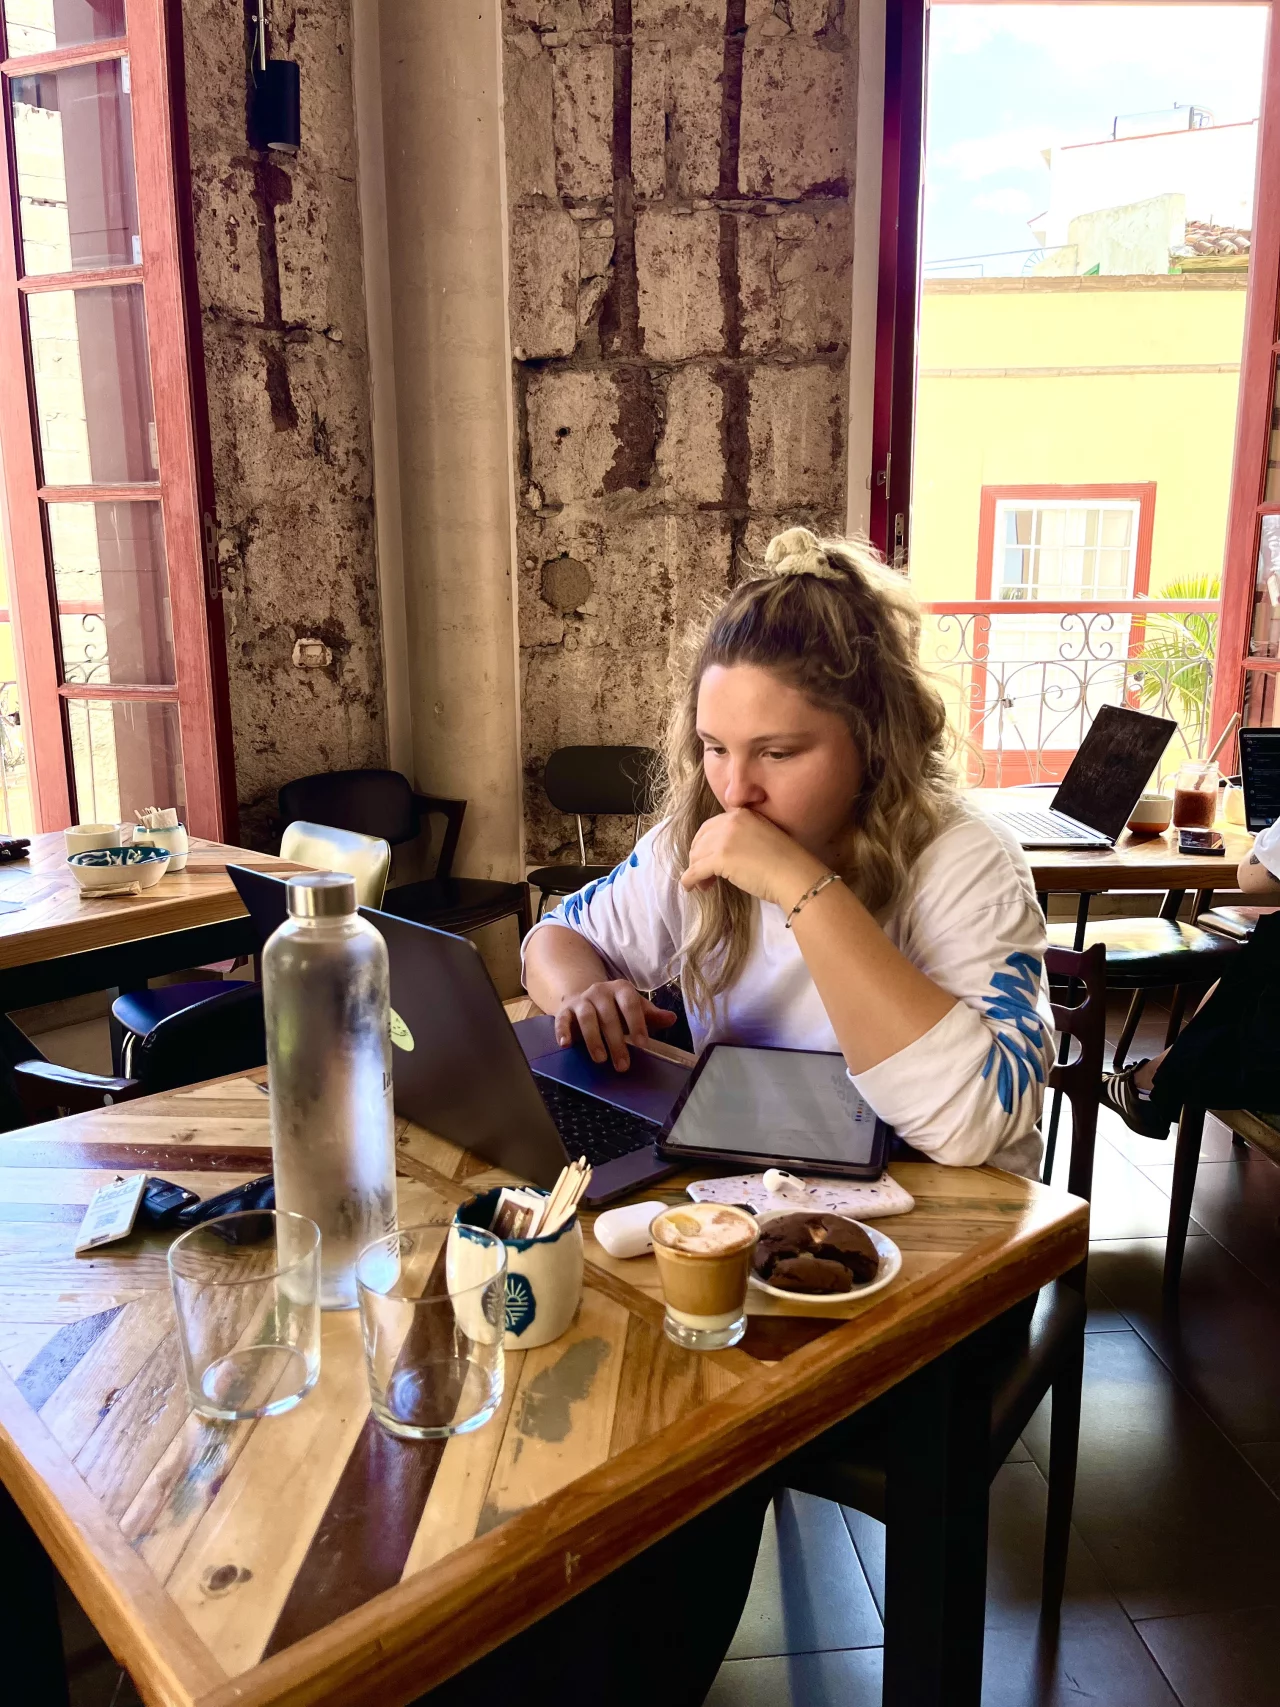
1093 381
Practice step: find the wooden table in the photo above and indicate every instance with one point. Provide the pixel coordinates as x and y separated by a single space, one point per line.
1136 862
54 943
312 1557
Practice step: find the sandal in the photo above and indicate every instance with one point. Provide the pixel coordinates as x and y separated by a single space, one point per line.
1121 1095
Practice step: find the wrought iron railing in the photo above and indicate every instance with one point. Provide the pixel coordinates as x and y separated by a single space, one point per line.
1023 680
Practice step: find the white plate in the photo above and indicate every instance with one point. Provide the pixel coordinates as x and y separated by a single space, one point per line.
890 1263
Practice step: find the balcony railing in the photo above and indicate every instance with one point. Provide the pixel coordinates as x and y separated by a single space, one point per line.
1023 680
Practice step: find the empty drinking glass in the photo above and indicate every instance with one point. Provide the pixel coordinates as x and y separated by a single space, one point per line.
246 1289
432 1311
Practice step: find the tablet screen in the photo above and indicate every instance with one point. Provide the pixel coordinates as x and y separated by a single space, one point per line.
776 1102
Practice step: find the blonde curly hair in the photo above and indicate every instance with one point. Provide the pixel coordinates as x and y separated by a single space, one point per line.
831 620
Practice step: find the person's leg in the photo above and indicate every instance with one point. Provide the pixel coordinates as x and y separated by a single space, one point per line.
1131 1093
656 1629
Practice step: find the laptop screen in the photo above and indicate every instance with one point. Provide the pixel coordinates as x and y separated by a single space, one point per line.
1112 767
1260 774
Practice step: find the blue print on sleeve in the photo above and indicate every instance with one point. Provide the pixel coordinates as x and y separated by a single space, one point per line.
570 910
1014 1004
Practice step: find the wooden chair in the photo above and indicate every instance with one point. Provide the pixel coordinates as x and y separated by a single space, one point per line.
1154 954
1256 1130
593 782
382 803
857 1463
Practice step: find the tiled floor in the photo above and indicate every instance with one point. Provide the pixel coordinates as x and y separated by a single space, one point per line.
1173 1593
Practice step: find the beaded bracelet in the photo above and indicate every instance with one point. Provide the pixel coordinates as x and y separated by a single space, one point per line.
819 886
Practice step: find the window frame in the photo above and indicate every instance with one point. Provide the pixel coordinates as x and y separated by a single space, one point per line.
1143 494
1259 378
184 489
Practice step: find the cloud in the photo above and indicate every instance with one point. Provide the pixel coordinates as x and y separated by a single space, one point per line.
979 157
1178 43
1010 201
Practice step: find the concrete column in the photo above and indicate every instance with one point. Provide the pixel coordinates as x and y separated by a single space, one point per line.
446 230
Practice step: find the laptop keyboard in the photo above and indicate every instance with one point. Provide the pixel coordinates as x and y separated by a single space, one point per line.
591 1128
1040 824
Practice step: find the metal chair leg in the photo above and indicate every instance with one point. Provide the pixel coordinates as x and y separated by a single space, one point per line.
1128 1029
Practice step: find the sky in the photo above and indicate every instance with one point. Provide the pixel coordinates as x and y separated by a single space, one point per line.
1008 81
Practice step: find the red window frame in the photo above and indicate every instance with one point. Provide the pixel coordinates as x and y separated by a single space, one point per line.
1143 494
1259 377
1052 761
184 489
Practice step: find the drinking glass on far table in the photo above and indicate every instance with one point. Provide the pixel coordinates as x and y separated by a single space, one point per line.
704 1258
1195 796
433 1312
246 1289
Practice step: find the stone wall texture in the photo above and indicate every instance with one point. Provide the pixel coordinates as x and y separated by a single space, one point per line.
679 178
282 299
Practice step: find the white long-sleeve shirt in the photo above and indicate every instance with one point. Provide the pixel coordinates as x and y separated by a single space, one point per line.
968 1091
1267 847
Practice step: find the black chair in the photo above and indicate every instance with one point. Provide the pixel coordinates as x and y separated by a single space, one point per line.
1020 1370
223 1035
593 782
381 803
1154 954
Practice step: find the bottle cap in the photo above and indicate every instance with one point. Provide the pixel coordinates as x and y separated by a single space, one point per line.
321 895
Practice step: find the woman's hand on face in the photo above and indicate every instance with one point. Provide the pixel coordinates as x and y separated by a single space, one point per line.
603 1013
752 854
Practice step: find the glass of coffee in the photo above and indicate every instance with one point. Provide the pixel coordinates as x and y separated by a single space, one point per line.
704 1258
1195 795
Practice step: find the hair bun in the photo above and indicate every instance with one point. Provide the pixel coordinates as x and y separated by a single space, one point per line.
798 552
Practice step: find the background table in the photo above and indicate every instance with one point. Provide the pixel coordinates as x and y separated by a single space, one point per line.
313 1557
54 943
1135 862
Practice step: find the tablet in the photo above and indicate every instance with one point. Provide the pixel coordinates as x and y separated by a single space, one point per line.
776 1108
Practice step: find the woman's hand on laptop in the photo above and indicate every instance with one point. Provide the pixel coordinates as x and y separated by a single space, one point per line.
605 1014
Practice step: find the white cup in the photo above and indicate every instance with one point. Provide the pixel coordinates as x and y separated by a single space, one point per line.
544 1278
84 838
1152 815
173 839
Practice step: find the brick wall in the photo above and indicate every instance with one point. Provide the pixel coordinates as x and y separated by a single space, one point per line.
680 228
281 291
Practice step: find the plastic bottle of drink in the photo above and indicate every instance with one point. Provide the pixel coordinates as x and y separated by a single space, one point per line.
326 993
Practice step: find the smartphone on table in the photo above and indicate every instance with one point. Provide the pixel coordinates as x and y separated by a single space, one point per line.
1201 842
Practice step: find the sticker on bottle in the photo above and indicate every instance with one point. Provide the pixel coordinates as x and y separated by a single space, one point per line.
401 1036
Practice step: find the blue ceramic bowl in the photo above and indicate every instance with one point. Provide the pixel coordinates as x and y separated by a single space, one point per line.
116 868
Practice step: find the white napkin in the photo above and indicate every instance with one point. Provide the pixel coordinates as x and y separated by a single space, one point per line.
863 1200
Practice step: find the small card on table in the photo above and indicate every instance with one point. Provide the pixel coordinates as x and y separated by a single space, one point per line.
111 1213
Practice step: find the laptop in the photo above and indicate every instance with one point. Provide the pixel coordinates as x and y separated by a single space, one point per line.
1102 785
507 1092
1260 775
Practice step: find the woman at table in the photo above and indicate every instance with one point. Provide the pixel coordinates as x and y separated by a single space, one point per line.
815 882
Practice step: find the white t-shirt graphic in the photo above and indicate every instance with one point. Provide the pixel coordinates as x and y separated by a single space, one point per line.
968 1091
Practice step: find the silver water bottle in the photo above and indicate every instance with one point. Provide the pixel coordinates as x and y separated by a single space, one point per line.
326 992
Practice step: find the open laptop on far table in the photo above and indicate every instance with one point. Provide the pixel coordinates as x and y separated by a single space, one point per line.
1260 776
506 1092
1102 785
